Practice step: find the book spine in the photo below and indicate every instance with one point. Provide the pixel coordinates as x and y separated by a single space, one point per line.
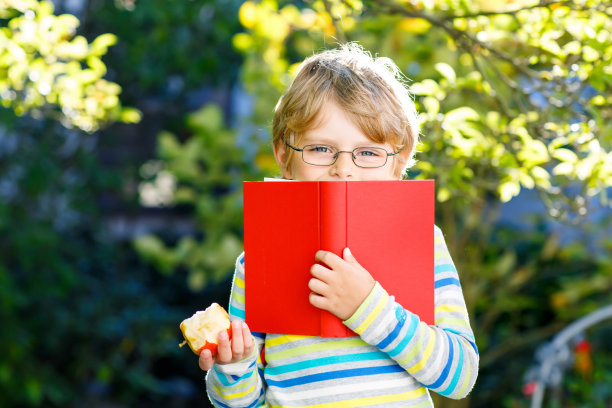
333 238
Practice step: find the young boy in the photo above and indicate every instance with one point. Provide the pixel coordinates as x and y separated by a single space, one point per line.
346 116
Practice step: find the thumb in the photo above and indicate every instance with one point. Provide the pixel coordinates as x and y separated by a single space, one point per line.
348 256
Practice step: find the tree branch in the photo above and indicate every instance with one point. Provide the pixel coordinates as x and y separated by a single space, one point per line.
337 22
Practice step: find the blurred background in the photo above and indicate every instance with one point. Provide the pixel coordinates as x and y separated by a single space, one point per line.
128 126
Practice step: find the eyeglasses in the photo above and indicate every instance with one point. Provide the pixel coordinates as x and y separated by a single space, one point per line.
326 155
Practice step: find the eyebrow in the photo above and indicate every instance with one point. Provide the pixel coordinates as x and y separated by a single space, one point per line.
305 141
318 140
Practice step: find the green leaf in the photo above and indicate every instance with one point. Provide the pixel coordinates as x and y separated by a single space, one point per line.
446 71
168 146
461 114
130 115
432 106
565 155
100 45
209 119
563 169
508 189
427 87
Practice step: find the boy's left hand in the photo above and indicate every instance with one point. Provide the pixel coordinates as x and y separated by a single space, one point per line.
339 285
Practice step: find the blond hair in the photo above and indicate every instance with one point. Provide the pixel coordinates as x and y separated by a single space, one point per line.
371 91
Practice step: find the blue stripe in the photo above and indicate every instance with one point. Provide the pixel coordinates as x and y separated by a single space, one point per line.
241 260
391 336
414 322
222 378
466 336
318 362
259 335
444 268
446 282
234 311
332 375
237 378
447 367
453 384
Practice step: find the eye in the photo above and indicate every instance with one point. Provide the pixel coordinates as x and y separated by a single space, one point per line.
319 149
369 152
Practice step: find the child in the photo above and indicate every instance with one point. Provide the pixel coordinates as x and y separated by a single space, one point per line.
346 116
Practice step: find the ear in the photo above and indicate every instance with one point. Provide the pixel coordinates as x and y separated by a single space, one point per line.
280 154
402 161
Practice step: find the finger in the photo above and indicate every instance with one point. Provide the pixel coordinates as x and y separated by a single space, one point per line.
318 301
224 352
318 286
206 360
249 343
328 258
237 342
320 272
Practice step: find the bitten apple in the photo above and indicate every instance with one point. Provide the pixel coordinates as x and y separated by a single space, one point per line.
201 331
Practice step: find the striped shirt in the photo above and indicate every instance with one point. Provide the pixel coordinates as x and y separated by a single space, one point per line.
394 362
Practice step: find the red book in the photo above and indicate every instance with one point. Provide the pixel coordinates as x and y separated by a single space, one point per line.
388 226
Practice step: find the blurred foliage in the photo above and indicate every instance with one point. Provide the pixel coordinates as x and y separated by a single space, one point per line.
49 71
513 94
84 321
80 316
590 376
586 375
209 168
169 48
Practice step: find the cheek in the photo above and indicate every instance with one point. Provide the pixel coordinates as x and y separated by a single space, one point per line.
389 172
305 172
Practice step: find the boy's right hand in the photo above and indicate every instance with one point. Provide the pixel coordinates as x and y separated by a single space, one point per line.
240 347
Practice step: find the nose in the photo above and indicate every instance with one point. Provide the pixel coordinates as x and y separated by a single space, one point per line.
344 167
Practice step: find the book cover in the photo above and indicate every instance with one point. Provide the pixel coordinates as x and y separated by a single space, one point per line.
388 225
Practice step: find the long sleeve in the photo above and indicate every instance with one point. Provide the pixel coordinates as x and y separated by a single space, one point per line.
443 357
239 384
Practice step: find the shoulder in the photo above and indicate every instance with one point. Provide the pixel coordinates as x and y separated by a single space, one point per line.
240 261
438 232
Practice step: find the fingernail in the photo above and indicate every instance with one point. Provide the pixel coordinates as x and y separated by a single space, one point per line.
347 252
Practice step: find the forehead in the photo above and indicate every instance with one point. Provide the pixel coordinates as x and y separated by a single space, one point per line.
334 126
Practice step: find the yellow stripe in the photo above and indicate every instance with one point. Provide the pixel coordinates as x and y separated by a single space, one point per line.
426 403
311 348
421 364
239 282
238 297
451 309
228 395
362 402
374 314
364 305
441 254
438 240
452 321
277 341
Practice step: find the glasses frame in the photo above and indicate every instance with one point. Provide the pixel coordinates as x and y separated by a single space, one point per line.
352 152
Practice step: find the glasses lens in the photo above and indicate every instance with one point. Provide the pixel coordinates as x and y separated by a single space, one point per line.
370 156
319 155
